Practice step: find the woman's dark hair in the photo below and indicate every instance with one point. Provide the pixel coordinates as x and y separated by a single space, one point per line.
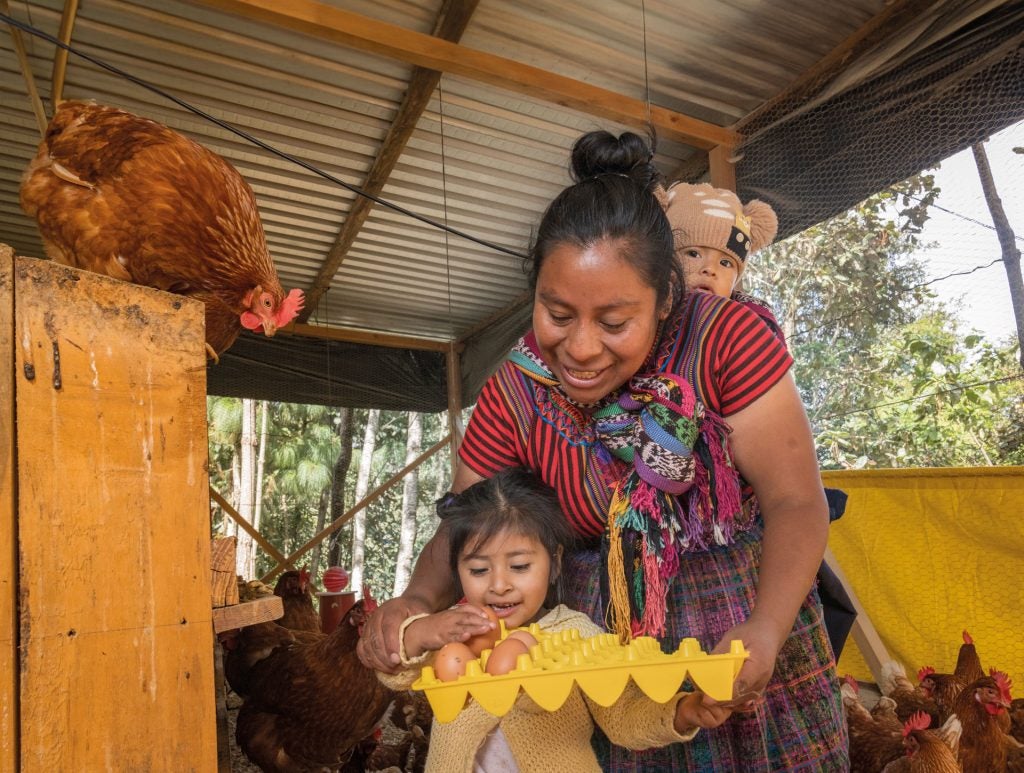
612 198
514 499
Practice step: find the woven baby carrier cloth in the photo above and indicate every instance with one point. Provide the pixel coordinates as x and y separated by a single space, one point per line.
680 491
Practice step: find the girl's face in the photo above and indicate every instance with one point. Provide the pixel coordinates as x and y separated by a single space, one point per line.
511 574
709 269
595 319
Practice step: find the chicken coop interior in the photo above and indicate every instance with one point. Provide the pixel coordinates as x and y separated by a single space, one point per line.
401 153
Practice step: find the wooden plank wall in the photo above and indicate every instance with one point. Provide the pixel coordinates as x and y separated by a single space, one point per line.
113 514
8 543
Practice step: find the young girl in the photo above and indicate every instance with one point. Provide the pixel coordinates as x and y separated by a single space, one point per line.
506 542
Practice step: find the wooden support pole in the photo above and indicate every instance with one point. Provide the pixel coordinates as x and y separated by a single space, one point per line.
864 634
345 517
273 552
722 168
60 56
9 671
369 337
454 406
26 71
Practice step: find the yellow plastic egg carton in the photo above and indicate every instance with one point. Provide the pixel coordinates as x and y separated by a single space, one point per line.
600 665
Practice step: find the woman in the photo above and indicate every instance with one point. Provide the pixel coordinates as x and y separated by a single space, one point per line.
619 399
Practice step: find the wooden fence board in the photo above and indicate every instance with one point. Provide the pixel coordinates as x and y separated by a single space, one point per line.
8 532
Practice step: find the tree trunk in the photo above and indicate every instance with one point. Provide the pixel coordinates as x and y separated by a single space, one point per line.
321 521
1007 241
410 500
339 480
362 485
244 562
261 455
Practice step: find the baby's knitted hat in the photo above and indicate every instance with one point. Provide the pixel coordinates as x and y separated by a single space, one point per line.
704 216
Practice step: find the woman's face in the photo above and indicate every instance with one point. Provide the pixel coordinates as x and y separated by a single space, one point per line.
595 318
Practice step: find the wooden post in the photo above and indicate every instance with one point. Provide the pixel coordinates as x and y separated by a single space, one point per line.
722 169
454 405
863 631
116 637
8 524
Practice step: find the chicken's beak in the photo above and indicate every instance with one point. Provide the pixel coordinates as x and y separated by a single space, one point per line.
269 327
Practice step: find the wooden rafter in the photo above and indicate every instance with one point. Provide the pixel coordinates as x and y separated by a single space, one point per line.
60 56
349 29
26 71
451 23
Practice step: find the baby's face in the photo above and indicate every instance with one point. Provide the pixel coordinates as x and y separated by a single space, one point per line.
709 270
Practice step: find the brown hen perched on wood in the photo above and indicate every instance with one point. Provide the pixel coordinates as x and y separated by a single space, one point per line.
124 196
295 589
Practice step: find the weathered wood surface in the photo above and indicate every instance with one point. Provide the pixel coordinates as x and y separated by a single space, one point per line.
259 610
113 518
8 532
223 579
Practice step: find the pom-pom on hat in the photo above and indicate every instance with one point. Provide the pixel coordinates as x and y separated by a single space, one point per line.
705 216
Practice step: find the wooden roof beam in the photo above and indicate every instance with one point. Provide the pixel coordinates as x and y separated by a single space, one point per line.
451 23
60 55
26 71
350 29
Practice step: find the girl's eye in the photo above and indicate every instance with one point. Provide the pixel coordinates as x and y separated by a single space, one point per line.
613 326
474 572
726 263
692 254
520 567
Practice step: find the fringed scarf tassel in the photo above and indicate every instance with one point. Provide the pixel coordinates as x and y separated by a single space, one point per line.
618 614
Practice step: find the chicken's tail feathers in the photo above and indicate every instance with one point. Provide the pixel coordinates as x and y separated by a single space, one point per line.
893 675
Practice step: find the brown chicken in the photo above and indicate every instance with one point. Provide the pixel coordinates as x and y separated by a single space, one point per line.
909 699
296 592
310 705
874 743
984 746
944 688
124 196
927 751
1017 719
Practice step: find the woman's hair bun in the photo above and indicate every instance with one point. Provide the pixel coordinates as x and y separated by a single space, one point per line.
601 152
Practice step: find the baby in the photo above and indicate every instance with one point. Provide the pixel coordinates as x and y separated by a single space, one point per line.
714 235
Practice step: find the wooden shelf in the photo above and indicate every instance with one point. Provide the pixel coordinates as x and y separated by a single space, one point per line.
259 610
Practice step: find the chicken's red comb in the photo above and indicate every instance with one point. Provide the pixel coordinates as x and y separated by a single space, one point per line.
1004 683
923 672
919 720
290 307
369 602
852 682
967 638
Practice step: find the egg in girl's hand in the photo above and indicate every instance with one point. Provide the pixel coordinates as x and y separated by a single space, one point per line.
483 641
451 660
503 657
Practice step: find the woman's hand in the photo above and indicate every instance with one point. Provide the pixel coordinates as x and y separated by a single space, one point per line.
378 646
699 710
456 624
763 644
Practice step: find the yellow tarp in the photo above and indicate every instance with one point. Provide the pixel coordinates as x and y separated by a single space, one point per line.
929 553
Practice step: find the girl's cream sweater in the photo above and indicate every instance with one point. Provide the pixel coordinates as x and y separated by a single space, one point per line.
546 740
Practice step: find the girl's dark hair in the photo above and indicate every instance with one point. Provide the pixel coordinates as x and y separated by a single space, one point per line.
612 198
514 499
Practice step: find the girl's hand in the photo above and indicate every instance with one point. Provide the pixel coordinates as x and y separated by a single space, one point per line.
698 710
763 644
456 624
378 645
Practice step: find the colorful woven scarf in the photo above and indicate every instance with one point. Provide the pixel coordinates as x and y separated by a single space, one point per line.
680 492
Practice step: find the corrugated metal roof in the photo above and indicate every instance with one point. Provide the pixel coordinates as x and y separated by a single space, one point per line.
482 159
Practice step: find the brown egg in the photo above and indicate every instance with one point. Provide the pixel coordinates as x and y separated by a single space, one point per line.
525 637
450 661
483 641
503 658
